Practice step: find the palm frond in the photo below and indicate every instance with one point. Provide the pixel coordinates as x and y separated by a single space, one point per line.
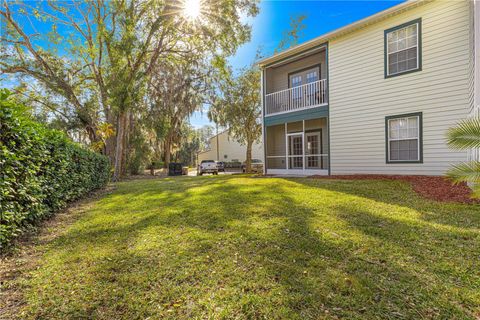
465 172
476 191
465 135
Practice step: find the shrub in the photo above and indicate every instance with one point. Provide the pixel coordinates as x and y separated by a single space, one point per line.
41 170
466 136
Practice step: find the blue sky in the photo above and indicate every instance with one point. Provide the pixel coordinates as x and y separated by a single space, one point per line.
268 27
274 18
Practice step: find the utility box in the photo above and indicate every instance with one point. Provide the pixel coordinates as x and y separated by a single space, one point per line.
174 169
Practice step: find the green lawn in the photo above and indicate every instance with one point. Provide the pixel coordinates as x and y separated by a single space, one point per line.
239 247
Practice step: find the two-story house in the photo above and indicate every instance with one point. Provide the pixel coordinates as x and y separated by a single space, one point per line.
376 96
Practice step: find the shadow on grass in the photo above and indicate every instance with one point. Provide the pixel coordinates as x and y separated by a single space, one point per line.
237 247
400 193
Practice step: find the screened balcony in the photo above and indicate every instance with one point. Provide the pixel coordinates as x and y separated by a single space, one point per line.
296 84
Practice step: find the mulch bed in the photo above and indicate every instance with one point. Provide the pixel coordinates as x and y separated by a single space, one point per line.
430 187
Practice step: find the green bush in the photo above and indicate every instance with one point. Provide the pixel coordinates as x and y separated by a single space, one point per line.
41 170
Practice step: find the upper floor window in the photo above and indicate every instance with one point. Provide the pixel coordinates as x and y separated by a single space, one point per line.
304 76
296 81
404 138
312 76
403 49
304 87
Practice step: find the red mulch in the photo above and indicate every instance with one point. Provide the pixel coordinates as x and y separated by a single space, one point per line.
434 188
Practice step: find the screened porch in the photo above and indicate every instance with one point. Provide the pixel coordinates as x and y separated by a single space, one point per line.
299 147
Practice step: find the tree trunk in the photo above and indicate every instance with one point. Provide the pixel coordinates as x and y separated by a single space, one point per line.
126 135
218 147
119 145
110 141
248 161
166 151
92 134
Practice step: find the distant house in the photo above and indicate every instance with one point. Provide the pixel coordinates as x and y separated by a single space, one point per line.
228 149
376 96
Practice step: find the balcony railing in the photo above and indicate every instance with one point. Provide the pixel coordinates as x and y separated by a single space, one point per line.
297 98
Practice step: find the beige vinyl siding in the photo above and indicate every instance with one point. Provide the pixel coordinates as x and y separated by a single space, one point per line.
231 148
361 98
277 78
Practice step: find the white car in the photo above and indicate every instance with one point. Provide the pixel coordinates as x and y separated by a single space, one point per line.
207 166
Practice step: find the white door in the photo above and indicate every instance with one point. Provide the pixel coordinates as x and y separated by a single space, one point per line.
308 93
313 150
295 150
296 93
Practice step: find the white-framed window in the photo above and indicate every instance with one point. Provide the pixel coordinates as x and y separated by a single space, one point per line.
312 76
404 138
403 48
296 80
304 76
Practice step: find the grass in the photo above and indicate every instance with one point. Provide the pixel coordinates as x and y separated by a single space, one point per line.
238 247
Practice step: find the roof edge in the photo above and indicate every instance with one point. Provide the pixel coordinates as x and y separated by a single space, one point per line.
409 4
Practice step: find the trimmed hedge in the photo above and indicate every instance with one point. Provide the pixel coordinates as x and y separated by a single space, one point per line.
41 170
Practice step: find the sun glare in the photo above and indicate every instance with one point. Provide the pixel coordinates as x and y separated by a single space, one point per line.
191 9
